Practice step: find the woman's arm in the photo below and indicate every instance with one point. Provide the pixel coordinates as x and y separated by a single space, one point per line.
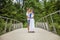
33 15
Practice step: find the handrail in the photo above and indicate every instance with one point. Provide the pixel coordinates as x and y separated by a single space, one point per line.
14 24
45 21
9 18
51 14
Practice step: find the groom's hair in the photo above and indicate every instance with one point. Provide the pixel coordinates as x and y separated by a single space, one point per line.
27 8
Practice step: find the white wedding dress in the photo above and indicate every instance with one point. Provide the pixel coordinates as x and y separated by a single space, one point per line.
32 25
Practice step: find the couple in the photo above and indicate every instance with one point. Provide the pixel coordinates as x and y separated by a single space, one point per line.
30 20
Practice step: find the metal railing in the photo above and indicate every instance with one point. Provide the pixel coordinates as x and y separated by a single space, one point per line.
8 24
47 22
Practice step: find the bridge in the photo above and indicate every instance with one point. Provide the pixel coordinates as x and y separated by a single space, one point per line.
17 32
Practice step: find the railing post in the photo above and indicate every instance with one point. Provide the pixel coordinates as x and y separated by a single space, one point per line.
47 24
14 25
6 25
44 23
21 25
10 25
41 24
53 24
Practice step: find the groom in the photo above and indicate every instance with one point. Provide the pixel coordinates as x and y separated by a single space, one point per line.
29 16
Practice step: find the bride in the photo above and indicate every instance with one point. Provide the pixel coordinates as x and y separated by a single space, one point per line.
31 21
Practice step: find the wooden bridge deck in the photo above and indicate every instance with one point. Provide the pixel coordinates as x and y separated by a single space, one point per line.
22 34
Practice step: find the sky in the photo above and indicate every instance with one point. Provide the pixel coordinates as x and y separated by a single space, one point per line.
15 1
18 0
42 0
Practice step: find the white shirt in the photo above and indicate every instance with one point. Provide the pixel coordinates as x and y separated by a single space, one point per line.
28 15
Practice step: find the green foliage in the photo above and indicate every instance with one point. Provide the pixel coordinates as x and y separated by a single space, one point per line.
42 8
2 24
